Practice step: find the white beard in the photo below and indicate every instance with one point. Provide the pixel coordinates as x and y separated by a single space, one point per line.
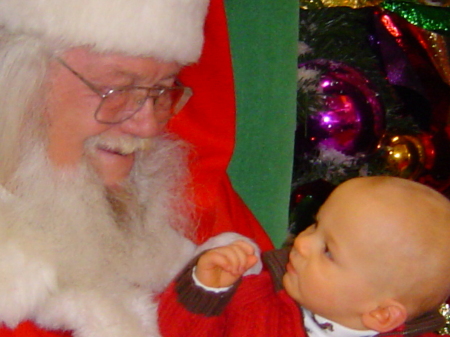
67 263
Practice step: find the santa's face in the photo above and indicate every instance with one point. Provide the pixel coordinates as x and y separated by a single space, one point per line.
72 130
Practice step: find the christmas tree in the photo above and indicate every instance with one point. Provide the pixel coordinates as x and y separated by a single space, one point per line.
373 97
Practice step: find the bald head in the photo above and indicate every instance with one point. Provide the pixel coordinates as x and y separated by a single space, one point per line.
403 233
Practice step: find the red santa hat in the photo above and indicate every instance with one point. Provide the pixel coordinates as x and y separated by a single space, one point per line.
170 30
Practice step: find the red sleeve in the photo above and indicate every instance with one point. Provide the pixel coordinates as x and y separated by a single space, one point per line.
255 310
208 123
176 321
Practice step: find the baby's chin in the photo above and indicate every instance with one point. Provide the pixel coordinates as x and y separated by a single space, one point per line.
290 288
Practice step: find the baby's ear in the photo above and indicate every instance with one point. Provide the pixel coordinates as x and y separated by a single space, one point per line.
389 315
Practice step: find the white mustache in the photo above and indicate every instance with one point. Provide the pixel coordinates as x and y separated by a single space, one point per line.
123 145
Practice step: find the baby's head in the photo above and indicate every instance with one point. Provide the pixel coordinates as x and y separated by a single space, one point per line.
377 256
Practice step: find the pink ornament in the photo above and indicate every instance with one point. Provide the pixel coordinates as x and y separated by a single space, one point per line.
352 119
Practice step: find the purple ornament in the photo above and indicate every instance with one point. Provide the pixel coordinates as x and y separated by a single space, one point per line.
352 118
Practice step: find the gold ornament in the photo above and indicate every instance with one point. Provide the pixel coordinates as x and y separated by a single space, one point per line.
405 155
346 3
436 47
445 311
351 3
367 3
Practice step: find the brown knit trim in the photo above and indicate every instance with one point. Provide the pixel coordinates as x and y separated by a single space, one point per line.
198 300
276 261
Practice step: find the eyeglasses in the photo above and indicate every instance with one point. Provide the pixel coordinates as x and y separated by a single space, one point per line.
119 104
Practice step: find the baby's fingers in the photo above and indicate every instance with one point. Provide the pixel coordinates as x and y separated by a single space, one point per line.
245 246
238 258
232 258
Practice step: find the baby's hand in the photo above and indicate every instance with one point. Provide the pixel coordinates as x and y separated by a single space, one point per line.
223 266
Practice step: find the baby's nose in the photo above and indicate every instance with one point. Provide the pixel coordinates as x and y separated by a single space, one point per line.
302 244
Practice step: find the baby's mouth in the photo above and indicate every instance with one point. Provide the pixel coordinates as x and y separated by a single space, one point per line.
290 268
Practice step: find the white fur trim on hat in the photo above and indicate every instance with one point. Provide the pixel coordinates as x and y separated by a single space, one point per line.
171 30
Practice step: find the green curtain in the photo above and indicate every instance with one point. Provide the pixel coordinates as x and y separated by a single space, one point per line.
263 36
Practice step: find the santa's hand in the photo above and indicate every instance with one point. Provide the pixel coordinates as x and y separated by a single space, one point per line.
223 266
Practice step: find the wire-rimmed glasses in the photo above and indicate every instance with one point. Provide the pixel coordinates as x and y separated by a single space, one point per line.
120 104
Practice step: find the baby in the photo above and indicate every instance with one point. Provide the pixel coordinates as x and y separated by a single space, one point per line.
377 260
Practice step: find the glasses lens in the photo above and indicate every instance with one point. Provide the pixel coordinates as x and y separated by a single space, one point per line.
169 102
182 99
120 105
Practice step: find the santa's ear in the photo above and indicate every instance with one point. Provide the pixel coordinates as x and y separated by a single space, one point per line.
387 316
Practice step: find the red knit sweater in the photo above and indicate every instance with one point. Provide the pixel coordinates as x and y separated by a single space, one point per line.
255 311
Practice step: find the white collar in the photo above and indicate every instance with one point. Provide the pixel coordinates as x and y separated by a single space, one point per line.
317 326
